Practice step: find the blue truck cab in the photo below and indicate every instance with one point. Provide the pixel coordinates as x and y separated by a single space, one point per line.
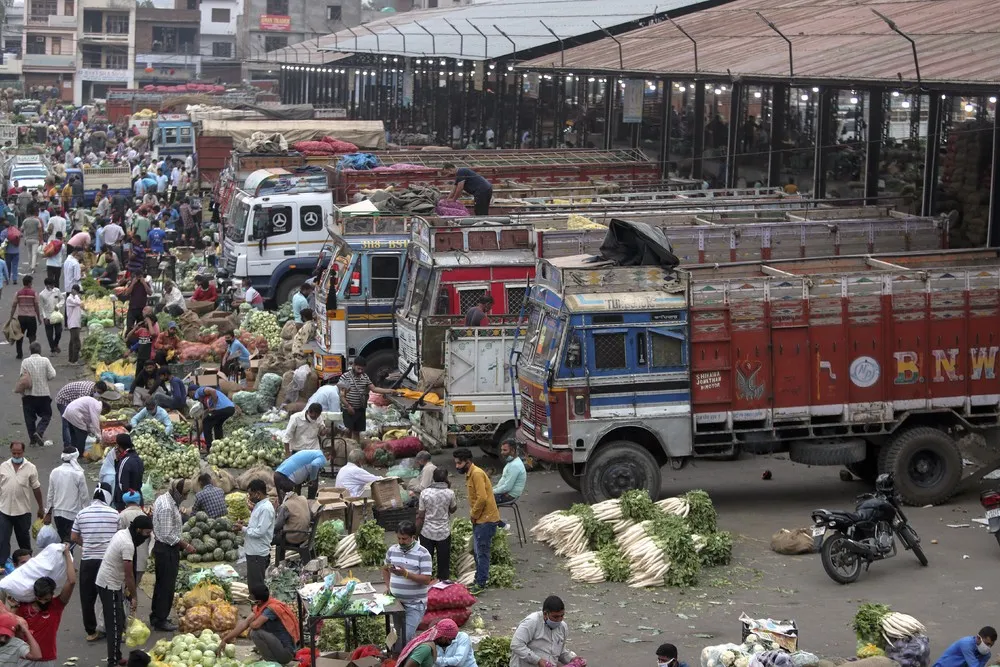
118 180
172 136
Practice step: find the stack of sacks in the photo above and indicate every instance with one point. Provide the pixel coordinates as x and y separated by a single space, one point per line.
453 601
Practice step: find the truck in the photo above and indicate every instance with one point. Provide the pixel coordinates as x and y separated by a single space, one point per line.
449 265
879 363
118 180
357 292
172 136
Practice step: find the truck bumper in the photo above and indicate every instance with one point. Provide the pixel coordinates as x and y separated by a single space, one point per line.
543 452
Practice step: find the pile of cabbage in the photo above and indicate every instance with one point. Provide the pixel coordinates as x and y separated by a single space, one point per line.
213 539
162 454
189 650
245 448
264 323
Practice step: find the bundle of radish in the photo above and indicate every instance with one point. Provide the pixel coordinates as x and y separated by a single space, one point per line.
562 531
900 626
347 554
660 552
594 567
677 506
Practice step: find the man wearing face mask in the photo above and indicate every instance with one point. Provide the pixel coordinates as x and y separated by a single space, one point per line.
666 656
483 512
117 571
973 651
67 493
167 553
540 639
514 477
18 483
258 533
45 613
407 575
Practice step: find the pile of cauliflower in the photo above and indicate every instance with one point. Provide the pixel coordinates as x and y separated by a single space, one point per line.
736 655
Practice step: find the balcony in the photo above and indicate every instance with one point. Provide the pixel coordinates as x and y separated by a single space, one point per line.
168 16
40 60
52 21
11 65
163 74
105 37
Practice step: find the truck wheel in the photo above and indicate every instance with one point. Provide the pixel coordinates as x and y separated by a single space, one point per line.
866 470
380 366
492 447
617 467
287 287
926 464
572 481
827 452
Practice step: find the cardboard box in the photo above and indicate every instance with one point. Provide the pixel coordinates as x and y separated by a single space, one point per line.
385 493
331 512
329 495
784 633
359 510
208 379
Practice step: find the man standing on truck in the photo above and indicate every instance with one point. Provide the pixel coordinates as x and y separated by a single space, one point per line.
473 184
476 316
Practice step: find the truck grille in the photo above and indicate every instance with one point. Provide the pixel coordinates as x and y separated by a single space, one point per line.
533 413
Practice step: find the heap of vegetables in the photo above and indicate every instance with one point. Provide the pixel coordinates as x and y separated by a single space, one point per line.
106 346
263 323
239 510
365 546
636 540
493 652
463 564
246 447
162 454
327 537
737 655
190 650
881 631
213 539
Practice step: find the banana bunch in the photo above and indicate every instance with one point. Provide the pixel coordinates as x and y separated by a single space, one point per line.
900 626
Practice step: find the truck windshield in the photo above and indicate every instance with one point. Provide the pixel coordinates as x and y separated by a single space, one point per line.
239 218
418 294
342 255
541 342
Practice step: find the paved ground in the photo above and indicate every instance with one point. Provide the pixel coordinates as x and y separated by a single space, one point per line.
612 624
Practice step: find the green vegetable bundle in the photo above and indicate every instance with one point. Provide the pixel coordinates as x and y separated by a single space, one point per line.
264 323
370 538
672 536
493 652
598 533
106 346
701 518
214 540
328 535
501 576
867 622
248 402
461 538
718 549
332 637
284 585
267 390
613 563
637 506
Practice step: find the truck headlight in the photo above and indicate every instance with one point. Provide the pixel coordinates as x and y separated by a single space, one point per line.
545 433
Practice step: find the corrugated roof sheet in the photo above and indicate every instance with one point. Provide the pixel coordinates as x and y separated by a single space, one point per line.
958 41
455 32
304 53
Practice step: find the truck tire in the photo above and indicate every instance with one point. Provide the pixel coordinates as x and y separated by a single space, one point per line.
866 470
380 365
287 287
926 464
492 447
574 482
619 466
826 452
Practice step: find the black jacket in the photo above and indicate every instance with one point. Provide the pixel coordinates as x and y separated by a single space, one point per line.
128 477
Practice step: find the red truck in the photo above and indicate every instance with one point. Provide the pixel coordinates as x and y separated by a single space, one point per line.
879 363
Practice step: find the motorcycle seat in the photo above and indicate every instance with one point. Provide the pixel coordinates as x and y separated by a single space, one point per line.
849 516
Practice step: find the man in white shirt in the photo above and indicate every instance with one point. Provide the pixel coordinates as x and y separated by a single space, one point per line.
116 570
36 402
72 271
189 162
50 301
353 477
304 430
67 494
56 223
112 235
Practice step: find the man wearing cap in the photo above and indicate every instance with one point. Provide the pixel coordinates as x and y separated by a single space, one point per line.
94 527
16 641
116 572
78 389
67 494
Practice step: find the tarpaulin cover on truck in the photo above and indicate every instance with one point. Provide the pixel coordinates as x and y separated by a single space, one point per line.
366 134
637 244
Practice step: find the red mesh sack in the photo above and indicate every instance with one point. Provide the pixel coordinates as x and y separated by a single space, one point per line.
455 596
404 448
339 146
460 616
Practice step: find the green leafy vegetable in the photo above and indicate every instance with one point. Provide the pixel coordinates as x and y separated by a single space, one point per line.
500 553
614 563
671 534
328 535
702 517
501 576
461 535
867 622
718 549
370 538
599 533
637 506
284 585
493 652
331 637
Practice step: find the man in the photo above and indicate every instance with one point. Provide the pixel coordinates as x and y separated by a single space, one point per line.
173 299
540 639
303 338
304 430
77 389
441 644
79 242
484 514
136 255
353 477
36 402
477 315
155 237
300 301
12 252
111 237
138 292
473 184
108 268
44 615
328 397
972 651
74 318
83 417
125 518
434 508
18 484
167 345
236 358
93 529
174 394
299 468
666 656
17 644
258 533
251 295
50 300
128 474
218 408
354 388
28 313
31 239
426 476
55 255
20 557
67 494
210 499
72 270
142 381
167 553
514 477
273 626
161 183
407 574
117 570
153 411
56 225
291 524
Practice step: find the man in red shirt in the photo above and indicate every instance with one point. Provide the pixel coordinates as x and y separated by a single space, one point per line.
476 316
45 613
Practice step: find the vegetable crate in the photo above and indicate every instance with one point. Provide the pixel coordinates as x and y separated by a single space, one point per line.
390 519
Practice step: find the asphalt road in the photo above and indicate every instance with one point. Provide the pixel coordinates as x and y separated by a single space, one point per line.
612 624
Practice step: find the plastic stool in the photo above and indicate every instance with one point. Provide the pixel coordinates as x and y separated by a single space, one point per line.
518 523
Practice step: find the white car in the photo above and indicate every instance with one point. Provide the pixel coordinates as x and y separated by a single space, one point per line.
29 176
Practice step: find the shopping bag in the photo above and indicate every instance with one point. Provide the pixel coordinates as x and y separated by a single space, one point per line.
136 633
12 331
47 535
108 472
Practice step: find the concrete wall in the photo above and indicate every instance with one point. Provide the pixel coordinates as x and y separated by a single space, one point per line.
308 21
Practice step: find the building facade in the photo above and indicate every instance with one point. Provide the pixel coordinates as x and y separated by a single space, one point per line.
12 35
220 53
49 48
167 45
106 55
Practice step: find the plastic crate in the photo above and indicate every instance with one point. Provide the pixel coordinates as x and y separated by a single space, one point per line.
390 519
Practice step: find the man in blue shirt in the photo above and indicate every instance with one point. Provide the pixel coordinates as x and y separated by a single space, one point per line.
474 184
153 411
971 651
155 237
218 408
236 357
300 301
299 468
174 394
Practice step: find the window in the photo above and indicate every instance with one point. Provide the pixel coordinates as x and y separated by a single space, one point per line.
515 299
609 350
311 218
56 46
469 297
192 5
117 24
384 276
170 135
222 49
36 45
275 43
280 220
574 351
279 7
92 57
333 12
116 58
69 8
667 350
220 15
186 136
41 10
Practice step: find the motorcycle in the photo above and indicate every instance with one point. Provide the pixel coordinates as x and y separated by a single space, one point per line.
226 291
850 541
990 500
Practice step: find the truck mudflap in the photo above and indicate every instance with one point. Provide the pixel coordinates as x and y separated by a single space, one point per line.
543 453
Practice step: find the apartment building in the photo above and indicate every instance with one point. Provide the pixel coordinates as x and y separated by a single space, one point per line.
220 53
167 44
107 48
12 36
49 48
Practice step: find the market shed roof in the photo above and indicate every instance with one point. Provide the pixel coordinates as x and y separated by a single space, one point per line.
957 42
477 32
304 53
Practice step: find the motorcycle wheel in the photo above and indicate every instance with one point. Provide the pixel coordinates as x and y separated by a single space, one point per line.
910 540
841 565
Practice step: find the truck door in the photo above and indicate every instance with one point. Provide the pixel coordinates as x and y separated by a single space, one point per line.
380 279
272 239
612 364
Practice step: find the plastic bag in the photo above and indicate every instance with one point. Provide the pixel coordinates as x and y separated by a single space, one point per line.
12 331
20 584
47 535
107 474
716 656
912 652
136 633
